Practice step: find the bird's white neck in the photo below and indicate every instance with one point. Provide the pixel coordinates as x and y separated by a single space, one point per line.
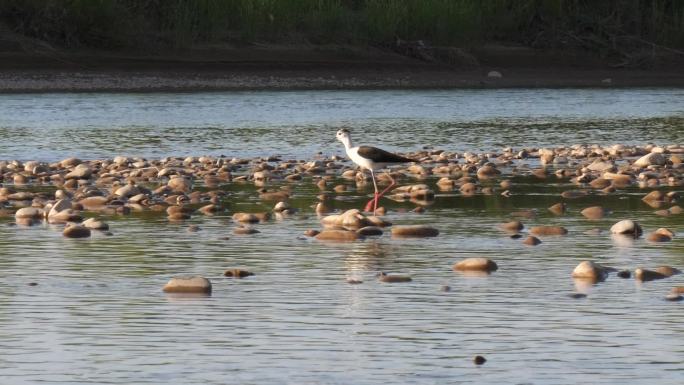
346 140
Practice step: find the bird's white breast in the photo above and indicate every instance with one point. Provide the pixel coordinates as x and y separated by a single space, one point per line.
353 154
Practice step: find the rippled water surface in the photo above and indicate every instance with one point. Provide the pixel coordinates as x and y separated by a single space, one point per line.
92 310
302 123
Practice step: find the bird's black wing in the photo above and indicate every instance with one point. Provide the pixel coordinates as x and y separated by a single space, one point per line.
379 155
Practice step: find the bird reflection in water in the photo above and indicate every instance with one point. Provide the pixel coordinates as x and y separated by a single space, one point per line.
369 256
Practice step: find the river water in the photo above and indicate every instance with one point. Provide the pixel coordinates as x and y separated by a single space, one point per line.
302 123
92 310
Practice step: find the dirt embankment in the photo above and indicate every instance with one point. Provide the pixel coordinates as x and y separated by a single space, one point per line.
30 66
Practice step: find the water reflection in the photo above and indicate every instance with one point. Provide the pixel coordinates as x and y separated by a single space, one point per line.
371 255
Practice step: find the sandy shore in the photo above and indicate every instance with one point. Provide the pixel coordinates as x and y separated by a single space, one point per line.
312 68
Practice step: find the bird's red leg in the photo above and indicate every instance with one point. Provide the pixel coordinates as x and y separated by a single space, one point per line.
388 188
373 202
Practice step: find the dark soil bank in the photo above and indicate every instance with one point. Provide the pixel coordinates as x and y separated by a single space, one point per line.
319 67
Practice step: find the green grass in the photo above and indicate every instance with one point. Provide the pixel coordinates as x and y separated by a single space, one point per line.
150 23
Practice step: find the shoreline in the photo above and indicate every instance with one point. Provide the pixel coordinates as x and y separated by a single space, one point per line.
161 82
293 68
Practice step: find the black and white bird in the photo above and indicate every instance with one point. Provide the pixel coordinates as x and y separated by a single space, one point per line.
372 159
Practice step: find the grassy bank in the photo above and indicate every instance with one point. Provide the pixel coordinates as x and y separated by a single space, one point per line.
615 26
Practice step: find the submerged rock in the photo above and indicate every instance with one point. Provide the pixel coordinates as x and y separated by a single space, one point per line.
512 226
593 212
414 231
645 275
548 230
369 231
667 271
674 297
558 209
245 230
393 278
532 241
624 274
311 233
237 273
338 235
76 231
658 237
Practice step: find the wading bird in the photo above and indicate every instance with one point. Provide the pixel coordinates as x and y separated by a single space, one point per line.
371 158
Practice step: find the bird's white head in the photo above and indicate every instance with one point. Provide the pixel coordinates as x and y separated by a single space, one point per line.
343 136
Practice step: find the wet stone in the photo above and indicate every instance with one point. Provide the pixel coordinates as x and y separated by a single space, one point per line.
95 224
476 264
338 235
624 274
393 278
188 284
369 231
237 273
648 275
414 231
532 241
558 209
548 230
626 226
76 231
245 230
673 297
512 226
593 212
311 233
590 270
